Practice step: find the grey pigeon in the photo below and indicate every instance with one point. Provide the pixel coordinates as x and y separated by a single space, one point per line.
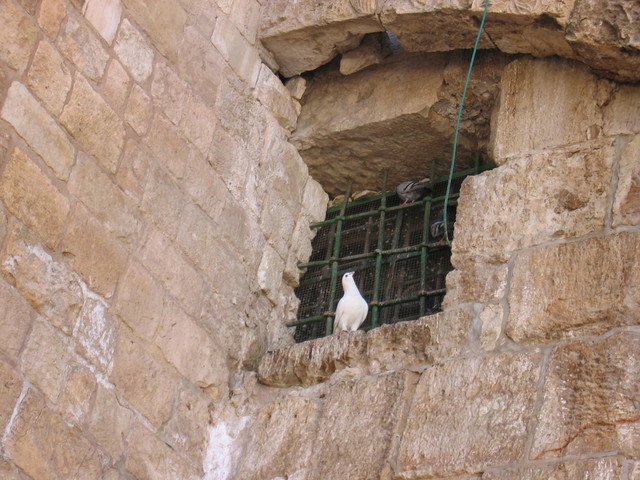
352 308
412 190
437 225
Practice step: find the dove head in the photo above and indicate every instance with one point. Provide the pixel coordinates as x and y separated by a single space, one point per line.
347 280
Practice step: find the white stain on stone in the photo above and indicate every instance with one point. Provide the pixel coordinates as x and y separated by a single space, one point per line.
4 444
222 450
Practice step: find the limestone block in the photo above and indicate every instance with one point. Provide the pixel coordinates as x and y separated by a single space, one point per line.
39 130
97 256
372 51
104 15
87 117
8 471
179 277
169 147
46 358
78 42
44 446
596 287
15 321
134 51
545 103
469 414
51 288
9 394
143 378
162 199
20 36
187 430
275 96
200 239
492 318
162 20
449 332
270 273
139 111
296 86
626 206
149 457
110 422
532 202
96 334
312 362
115 85
622 114
480 283
236 50
140 301
115 210
246 15
186 345
281 440
198 123
77 392
203 184
49 78
133 170
598 469
169 91
397 346
52 12
590 398
361 413
236 222
277 221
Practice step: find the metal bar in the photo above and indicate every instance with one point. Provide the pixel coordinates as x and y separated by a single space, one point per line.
375 311
423 256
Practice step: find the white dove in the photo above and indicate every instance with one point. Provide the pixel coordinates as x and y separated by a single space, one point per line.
352 308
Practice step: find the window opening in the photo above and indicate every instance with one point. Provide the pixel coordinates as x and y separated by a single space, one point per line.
400 266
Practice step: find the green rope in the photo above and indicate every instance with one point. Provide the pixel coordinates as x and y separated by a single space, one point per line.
455 136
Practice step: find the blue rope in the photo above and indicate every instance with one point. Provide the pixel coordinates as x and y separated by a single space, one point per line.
455 135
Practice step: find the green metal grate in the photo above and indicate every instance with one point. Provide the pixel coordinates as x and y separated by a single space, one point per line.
400 269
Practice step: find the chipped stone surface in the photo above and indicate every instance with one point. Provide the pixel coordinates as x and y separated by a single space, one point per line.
110 422
116 84
276 97
77 392
134 51
270 273
596 287
626 206
9 394
15 321
139 110
590 398
79 43
21 36
599 469
240 54
479 284
622 114
104 15
96 333
52 12
468 414
49 78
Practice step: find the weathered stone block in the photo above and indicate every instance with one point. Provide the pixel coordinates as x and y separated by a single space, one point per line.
449 332
275 96
9 393
8 471
134 51
110 422
50 287
595 287
626 206
246 15
599 469
163 199
78 42
282 439
398 346
20 36
96 333
140 301
87 117
15 321
104 15
44 446
482 284
362 412
240 54
169 91
204 185
169 146
149 457
133 170
139 110
97 256
469 414
536 90
198 123
532 202
590 398
49 78
77 392
179 277
492 320
39 130
143 377
270 273
115 210
52 12
622 114
115 85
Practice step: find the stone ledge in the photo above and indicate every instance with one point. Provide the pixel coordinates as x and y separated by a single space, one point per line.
390 347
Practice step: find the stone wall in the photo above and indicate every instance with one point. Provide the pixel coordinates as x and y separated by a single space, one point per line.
148 199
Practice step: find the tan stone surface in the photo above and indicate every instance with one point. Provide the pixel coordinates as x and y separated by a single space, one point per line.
87 117
97 256
110 422
9 471
237 51
39 130
115 85
626 206
275 96
599 469
143 378
282 439
270 273
140 301
46 358
81 45
532 202
134 51
78 390
52 12
96 334
557 89
595 287
133 169
51 288
169 147
20 38
169 91
398 346
15 321
49 78
179 277
139 110
151 458
104 15
44 446
590 398
492 318
622 114
362 413
162 199
449 332
480 283
9 394
198 123
469 414
205 186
